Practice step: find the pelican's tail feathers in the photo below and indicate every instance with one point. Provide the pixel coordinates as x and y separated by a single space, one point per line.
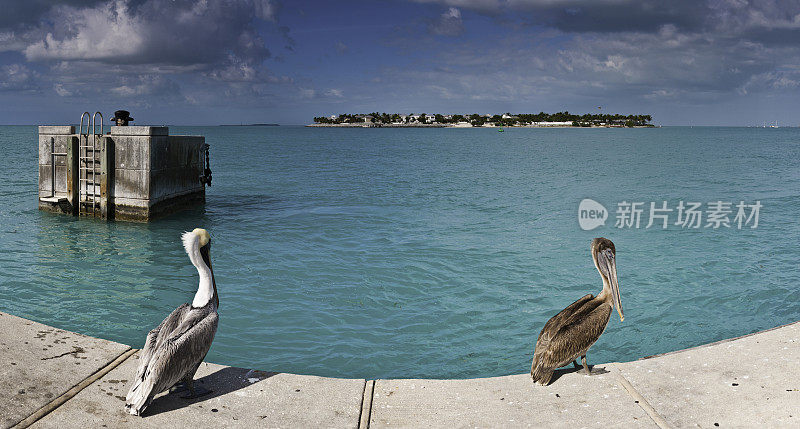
138 398
541 375
137 383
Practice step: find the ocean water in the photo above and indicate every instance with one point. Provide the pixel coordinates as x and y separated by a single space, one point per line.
436 253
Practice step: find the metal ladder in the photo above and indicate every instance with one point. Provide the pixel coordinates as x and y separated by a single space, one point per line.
89 166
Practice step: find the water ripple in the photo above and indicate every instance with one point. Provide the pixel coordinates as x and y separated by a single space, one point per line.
421 253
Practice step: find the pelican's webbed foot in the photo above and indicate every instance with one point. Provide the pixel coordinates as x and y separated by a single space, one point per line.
195 391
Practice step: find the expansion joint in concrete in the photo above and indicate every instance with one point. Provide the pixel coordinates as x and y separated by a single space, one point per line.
366 404
69 394
639 399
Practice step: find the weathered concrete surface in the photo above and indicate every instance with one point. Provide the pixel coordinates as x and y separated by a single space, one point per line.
50 138
175 168
57 129
572 400
38 363
155 174
753 381
239 398
139 130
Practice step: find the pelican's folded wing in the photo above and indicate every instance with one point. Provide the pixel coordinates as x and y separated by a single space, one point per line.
175 357
555 323
154 338
577 335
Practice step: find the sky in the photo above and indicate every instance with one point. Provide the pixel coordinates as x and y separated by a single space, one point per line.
193 62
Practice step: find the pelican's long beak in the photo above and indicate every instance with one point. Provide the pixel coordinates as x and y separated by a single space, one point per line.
608 263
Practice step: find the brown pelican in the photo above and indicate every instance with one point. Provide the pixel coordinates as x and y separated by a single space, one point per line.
174 350
571 332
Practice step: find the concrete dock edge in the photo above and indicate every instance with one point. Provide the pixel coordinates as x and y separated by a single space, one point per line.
747 381
41 412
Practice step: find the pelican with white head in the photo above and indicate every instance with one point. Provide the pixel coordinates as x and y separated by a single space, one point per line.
174 349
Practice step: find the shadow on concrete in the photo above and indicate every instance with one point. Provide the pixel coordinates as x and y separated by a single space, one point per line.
559 372
222 382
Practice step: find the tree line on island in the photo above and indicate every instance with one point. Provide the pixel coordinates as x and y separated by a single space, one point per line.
506 120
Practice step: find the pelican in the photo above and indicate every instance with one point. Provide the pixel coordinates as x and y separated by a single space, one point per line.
571 332
174 349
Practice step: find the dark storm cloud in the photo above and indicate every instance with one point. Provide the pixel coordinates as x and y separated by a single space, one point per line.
22 13
179 32
643 48
489 54
615 16
140 48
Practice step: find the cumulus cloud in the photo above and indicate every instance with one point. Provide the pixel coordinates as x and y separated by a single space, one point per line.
636 48
17 77
780 80
143 48
61 91
108 32
19 14
153 32
149 85
335 93
665 65
266 9
488 6
645 15
211 52
307 93
448 24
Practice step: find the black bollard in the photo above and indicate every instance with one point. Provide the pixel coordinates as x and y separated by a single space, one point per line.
122 117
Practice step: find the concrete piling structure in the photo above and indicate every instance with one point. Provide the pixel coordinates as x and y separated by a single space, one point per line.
58 149
57 379
132 173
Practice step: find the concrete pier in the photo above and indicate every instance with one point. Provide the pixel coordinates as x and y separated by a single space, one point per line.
134 173
57 379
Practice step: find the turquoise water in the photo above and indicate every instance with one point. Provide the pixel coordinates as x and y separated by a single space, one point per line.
384 253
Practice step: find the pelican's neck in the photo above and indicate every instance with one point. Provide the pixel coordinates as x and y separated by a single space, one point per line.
205 291
605 294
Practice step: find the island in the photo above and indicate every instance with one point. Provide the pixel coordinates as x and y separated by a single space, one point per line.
249 125
536 120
